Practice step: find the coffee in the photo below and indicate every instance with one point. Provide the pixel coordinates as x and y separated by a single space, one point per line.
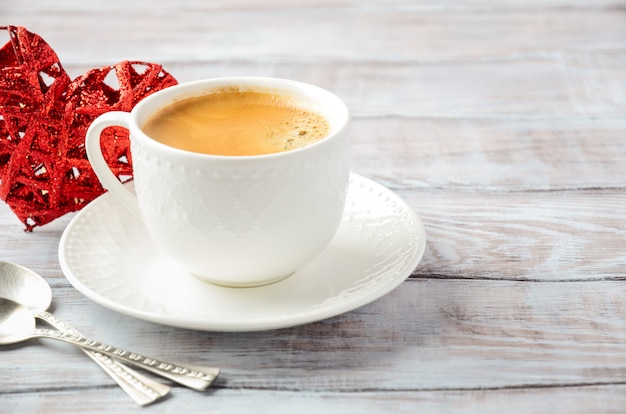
233 122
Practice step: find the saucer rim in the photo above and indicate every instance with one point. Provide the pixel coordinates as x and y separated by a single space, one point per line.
308 315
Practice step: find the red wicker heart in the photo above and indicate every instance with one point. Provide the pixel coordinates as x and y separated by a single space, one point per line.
44 171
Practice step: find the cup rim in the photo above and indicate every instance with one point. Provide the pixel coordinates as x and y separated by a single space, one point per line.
188 90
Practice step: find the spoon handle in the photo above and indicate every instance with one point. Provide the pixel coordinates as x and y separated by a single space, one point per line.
141 389
197 378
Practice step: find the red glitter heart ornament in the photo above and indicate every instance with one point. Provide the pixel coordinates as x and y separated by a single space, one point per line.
44 116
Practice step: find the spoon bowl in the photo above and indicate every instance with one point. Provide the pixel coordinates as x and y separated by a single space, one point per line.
17 322
24 286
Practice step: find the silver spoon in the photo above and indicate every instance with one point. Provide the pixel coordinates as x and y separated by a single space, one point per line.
197 378
17 324
28 288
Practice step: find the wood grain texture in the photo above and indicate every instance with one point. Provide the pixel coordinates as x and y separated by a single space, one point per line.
501 123
354 33
574 400
453 334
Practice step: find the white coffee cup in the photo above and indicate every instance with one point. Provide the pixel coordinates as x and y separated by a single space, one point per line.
234 220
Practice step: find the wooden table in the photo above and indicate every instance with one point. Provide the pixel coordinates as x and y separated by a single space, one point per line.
503 124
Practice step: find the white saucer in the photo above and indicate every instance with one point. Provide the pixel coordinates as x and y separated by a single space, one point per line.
107 255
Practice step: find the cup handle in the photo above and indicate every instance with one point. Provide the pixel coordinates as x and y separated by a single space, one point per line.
98 163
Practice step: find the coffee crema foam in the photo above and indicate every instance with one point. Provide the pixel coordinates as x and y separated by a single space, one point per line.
237 123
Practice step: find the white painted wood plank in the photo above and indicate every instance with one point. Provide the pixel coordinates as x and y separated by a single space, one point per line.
360 33
426 335
557 88
551 237
491 155
567 400
444 5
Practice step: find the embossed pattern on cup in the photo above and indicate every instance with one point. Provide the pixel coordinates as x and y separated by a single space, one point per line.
254 218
